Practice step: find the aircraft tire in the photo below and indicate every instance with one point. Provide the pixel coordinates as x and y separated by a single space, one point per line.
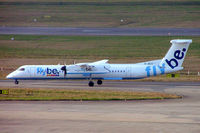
99 82
91 83
16 82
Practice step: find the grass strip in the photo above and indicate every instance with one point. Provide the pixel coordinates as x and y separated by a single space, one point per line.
100 13
81 47
29 94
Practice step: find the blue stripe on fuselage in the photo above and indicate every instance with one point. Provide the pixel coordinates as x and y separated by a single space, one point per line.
57 78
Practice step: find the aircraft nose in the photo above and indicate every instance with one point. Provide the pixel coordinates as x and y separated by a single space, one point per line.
9 76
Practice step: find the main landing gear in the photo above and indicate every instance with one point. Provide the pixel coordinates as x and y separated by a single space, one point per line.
16 82
99 82
91 83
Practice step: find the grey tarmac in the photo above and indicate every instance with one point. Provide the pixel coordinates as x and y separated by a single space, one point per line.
100 31
146 116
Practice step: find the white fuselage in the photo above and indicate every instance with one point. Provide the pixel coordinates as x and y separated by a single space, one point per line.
104 71
99 70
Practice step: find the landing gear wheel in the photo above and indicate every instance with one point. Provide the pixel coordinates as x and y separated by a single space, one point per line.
91 83
16 82
99 82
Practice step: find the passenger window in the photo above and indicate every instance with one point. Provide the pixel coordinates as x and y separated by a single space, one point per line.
22 69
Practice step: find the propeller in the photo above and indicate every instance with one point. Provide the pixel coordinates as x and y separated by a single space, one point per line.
63 68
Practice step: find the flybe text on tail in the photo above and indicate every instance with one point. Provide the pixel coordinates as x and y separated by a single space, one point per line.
178 55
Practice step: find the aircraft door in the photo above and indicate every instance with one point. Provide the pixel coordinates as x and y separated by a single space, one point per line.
32 71
128 71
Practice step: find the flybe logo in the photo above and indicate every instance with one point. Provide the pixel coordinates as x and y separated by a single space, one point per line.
178 55
154 69
47 71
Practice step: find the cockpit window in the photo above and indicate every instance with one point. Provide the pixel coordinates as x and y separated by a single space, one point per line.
22 69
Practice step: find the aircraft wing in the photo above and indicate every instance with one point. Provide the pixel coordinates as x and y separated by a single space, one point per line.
91 66
99 62
87 67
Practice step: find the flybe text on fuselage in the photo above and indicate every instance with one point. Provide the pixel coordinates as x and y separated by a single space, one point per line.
153 68
52 72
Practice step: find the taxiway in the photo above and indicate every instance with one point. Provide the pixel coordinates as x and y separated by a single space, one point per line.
147 116
100 31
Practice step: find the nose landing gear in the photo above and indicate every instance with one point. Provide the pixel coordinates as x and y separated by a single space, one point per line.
16 82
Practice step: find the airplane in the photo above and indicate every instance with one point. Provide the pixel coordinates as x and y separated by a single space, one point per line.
102 70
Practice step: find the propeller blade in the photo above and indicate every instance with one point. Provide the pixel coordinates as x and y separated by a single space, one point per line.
63 68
